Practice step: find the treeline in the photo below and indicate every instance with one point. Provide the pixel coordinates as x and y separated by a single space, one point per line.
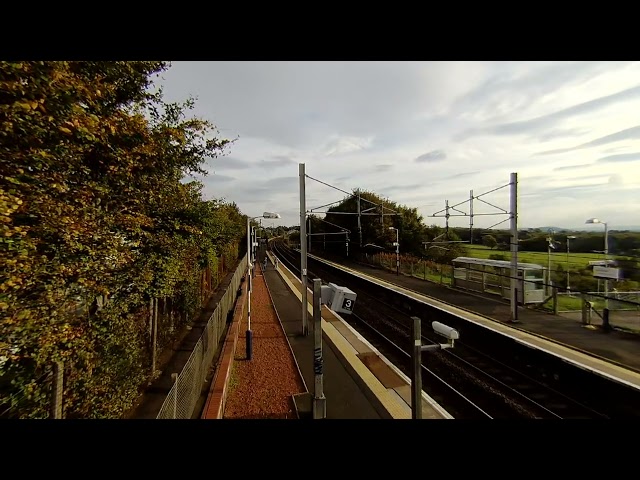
623 243
428 242
96 219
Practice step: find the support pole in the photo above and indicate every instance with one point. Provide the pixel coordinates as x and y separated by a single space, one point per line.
514 247
416 370
471 217
249 335
359 222
606 258
319 400
303 248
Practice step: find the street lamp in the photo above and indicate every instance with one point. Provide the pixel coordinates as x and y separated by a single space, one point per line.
249 267
397 245
606 255
569 237
552 244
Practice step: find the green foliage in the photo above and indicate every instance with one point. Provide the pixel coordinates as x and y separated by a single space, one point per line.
375 228
92 203
489 241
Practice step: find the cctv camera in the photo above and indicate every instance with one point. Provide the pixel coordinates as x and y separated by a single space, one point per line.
445 331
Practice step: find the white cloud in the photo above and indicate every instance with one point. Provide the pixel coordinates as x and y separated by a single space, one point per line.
342 145
569 129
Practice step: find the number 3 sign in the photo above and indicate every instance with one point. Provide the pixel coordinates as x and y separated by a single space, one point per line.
347 304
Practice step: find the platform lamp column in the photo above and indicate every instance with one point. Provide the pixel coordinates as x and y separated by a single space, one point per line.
606 257
569 237
249 334
303 247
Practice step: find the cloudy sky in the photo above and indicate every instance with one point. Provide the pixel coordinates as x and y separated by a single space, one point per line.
422 133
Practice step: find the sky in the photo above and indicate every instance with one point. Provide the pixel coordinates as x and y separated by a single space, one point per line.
423 133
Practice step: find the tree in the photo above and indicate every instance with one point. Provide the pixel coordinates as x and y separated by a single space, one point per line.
92 203
375 228
489 241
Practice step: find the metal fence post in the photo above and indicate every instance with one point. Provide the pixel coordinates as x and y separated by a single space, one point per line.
584 308
154 338
319 400
554 292
416 383
174 377
58 384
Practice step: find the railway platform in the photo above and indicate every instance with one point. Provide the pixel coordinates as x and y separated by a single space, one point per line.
615 352
359 383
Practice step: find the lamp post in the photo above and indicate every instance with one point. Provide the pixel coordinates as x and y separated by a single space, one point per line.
250 285
397 244
569 237
549 247
606 256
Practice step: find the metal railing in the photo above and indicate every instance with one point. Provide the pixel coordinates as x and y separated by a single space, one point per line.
412 266
571 301
187 387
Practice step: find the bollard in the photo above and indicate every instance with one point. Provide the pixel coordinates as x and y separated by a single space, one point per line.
606 326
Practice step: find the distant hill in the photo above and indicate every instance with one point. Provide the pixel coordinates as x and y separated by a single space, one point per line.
631 228
555 229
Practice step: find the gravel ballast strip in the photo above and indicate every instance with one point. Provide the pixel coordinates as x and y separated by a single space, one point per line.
263 386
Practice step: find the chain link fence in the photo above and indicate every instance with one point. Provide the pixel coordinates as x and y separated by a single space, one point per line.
185 392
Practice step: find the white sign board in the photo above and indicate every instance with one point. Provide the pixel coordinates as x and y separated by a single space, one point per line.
606 272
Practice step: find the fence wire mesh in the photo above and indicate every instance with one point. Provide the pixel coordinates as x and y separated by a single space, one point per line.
185 392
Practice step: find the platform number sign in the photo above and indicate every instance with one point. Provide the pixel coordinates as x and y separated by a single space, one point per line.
347 304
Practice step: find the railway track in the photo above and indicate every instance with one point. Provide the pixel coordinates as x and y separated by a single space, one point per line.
466 381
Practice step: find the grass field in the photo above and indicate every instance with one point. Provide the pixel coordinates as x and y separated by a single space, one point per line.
576 261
